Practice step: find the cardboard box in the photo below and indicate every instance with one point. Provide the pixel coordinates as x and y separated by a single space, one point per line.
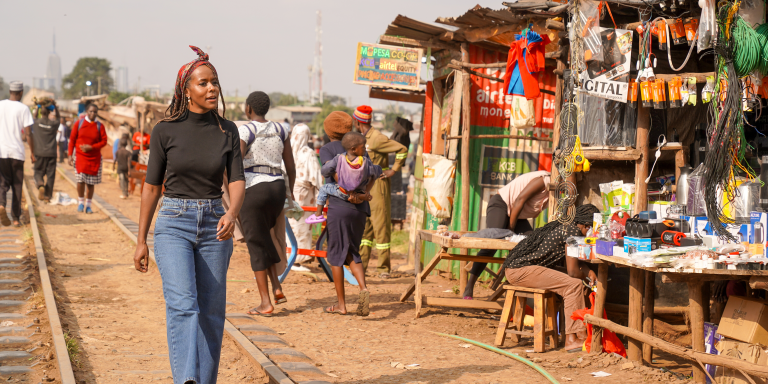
640 244
751 353
605 247
745 319
696 223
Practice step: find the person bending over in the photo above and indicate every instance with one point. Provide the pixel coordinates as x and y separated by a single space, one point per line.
528 266
523 198
352 171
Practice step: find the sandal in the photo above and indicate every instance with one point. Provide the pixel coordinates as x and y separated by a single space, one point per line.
255 312
280 299
333 311
363 303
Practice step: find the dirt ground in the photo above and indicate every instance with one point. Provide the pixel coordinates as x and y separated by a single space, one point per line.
118 315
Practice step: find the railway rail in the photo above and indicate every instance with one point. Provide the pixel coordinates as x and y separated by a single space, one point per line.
33 346
240 327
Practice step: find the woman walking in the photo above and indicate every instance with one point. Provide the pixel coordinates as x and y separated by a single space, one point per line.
85 143
308 182
266 146
346 221
192 149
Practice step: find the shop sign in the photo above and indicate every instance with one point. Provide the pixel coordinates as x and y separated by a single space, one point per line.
609 77
500 165
388 66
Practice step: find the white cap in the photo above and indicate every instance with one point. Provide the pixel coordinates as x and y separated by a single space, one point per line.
16 86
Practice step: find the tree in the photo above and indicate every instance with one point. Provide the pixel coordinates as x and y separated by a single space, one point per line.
4 93
87 69
317 123
116 97
278 99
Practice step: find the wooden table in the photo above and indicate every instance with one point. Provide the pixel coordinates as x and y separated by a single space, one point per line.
445 244
641 291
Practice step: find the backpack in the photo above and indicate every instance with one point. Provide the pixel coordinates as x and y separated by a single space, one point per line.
98 125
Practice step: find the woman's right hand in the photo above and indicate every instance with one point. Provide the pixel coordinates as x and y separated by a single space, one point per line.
141 258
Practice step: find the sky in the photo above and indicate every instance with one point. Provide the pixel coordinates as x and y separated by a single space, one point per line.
254 44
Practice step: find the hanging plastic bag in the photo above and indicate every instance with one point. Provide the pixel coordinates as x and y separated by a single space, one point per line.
709 90
523 113
588 28
611 343
439 177
707 25
696 205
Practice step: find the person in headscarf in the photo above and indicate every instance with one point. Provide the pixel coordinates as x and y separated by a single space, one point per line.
527 265
308 182
193 231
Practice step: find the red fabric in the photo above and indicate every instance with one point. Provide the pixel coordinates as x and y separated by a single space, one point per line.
611 343
137 140
87 162
533 62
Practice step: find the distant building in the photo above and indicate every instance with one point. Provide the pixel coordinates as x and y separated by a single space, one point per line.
121 79
52 79
153 91
294 114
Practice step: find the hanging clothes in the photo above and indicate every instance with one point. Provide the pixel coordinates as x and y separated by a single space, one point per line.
528 48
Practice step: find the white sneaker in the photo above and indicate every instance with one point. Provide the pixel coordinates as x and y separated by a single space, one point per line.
123 196
299 268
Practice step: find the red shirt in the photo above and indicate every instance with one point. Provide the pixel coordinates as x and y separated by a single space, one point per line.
87 162
138 140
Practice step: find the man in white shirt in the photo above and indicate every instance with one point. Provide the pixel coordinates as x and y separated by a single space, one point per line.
63 139
15 124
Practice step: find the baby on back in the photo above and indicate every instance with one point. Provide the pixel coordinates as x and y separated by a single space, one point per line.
353 171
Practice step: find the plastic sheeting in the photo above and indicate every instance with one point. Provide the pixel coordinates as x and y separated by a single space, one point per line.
604 122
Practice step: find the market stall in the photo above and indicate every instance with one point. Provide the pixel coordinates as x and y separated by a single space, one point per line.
651 110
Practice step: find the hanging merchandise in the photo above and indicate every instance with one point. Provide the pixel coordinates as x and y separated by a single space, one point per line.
746 47
675 96
726 157
706 25
439 177
709 89
659 94
646 94
691 28
587 26
678 32
762 40
528 49
632 96
660 28
522 113
684 95
691 88
579 160
608 78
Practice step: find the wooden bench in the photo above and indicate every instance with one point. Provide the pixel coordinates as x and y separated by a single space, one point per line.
545 311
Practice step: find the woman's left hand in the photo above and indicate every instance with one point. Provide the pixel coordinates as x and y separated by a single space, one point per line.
592 277
226 227
86 148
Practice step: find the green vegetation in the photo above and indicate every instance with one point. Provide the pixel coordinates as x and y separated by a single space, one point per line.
73 349
93 69
277 99
116 97
399 241
317 123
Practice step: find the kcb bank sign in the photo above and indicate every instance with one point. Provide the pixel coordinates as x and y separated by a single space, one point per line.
500 165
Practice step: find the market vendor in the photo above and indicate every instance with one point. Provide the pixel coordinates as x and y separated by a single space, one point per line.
528 266
523 198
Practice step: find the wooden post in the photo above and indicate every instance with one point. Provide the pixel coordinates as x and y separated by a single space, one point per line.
641 166
417 271
648 304
636 282
602 288
697 325
465 114
556 136
706 295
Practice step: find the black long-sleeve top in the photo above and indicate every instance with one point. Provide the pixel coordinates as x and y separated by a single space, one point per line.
191 155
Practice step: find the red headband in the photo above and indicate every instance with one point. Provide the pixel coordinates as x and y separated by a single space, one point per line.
186 70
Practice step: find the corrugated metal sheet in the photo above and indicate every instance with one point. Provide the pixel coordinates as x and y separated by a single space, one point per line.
490 115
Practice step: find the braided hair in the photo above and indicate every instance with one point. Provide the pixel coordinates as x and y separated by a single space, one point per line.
584 215
178 109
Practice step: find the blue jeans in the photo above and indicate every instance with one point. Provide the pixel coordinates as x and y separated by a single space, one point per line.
330 189
193 265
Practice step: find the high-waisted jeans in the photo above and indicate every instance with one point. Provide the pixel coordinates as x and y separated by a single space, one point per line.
193 265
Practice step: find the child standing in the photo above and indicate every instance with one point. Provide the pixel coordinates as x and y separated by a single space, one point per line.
123 161
352 172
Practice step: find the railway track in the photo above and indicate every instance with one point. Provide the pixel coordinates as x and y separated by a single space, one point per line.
33 346
260 344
